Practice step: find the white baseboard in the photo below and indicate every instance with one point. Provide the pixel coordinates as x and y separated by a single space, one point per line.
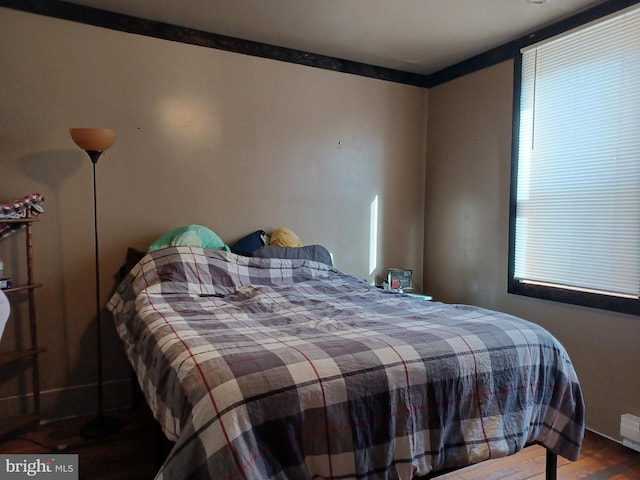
617 440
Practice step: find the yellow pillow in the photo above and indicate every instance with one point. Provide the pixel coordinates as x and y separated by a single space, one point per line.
283 237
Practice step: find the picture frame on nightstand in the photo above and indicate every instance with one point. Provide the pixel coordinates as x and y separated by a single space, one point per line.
400 279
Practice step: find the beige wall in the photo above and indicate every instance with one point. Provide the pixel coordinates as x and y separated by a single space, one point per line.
233 142
239 143
466 241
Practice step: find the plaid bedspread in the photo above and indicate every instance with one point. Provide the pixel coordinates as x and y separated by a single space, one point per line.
261 368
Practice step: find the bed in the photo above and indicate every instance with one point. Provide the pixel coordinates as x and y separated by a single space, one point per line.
261 368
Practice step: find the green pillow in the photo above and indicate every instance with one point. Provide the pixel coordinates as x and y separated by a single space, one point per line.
189 236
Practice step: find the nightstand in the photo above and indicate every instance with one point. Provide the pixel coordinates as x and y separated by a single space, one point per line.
421 296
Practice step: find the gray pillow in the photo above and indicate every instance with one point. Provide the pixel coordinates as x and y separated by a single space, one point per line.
309 252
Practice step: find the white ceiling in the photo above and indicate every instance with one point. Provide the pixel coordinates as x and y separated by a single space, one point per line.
420 36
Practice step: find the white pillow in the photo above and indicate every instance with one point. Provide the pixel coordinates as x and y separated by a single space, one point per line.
4 311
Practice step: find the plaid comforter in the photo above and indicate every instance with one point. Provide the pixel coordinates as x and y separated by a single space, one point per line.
262 368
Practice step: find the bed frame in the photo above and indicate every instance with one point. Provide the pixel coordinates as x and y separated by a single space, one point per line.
163 447
551 468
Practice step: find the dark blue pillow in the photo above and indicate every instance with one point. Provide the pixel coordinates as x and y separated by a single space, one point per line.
247 245
317 253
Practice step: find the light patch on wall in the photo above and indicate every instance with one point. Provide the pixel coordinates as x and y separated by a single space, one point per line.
189 121
373 235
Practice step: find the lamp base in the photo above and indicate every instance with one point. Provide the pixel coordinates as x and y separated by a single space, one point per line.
100 427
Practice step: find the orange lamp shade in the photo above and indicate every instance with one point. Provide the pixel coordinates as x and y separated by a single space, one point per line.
93 139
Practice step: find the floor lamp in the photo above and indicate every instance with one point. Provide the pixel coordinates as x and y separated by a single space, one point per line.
95 141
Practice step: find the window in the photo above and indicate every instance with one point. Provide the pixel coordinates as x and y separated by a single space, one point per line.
575 203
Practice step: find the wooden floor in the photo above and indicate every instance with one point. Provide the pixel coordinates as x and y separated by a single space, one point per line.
133 454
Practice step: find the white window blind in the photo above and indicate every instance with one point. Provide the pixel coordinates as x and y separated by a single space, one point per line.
577 220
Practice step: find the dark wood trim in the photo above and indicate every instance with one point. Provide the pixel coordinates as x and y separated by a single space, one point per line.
629 306
473 64
511 50
125 23
513 181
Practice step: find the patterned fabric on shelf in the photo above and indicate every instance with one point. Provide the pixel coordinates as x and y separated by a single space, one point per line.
29 206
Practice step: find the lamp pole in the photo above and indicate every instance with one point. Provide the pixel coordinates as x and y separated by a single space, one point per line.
95 141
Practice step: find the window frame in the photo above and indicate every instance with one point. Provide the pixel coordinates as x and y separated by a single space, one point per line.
552 293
